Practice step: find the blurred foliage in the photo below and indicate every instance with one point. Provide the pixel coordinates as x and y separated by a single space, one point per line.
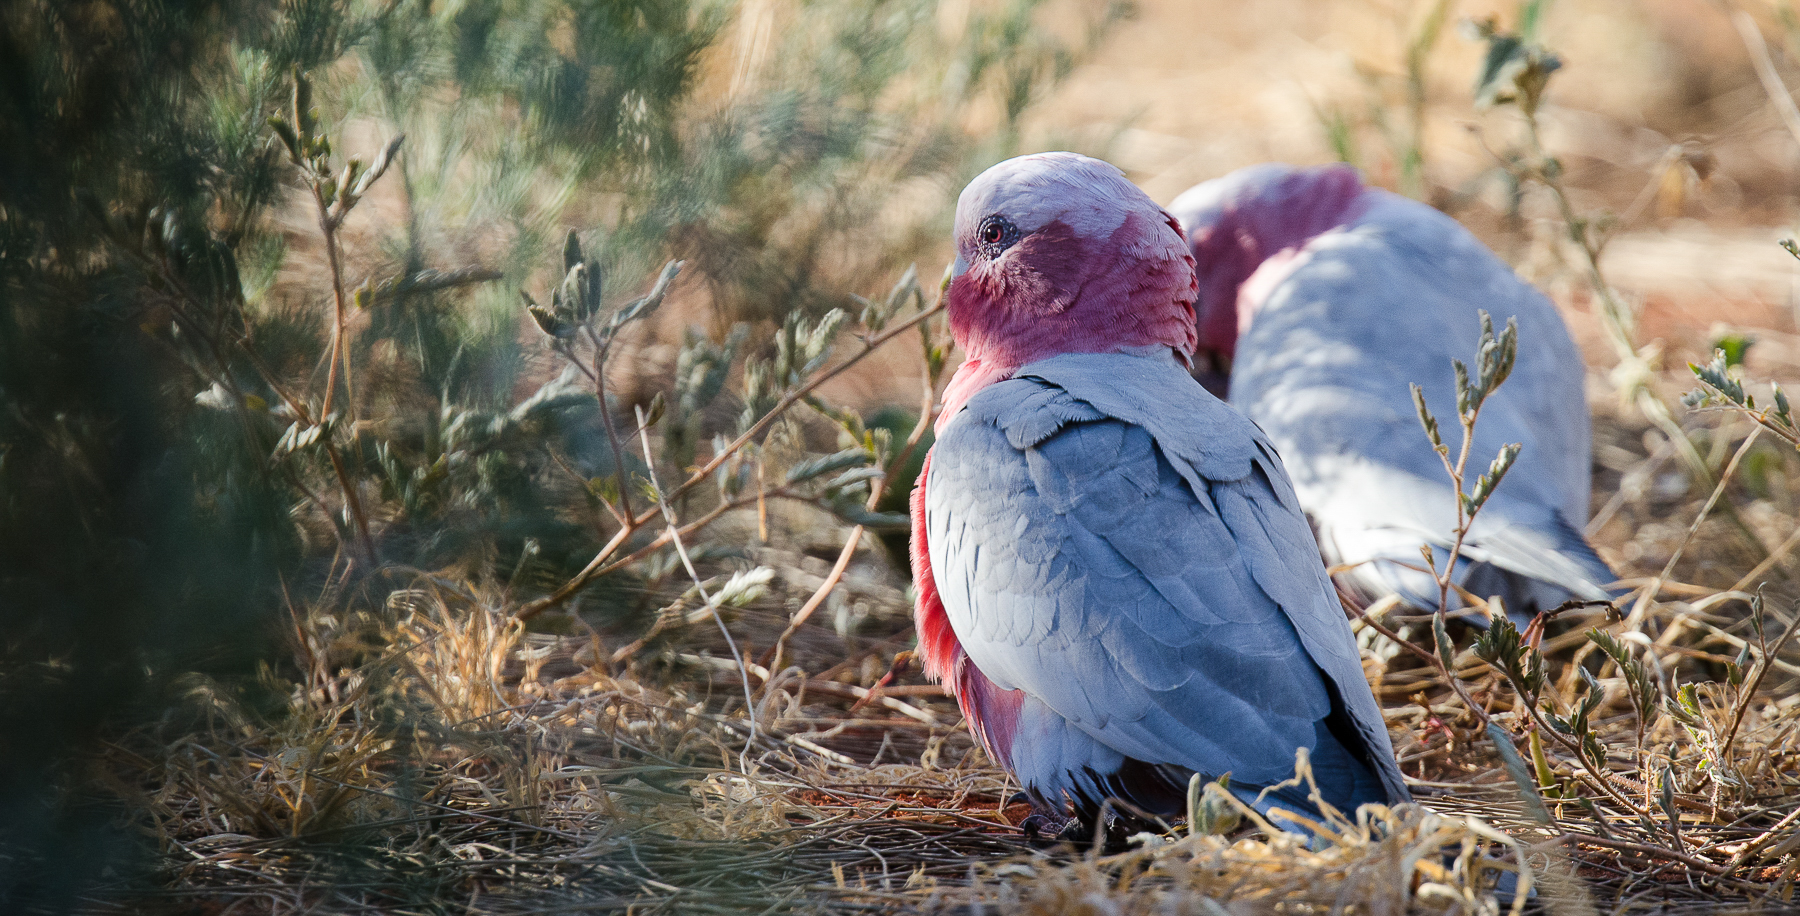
1722 385
1402 145
183 450
132 531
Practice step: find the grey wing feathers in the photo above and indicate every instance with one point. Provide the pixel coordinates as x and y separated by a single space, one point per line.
1140 565
1326 369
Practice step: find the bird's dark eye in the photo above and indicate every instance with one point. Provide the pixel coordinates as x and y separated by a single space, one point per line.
995 235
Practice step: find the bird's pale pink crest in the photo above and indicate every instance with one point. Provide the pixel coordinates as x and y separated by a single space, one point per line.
1059 253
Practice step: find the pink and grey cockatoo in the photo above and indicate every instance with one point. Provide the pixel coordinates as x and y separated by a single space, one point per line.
1327 300
1114 576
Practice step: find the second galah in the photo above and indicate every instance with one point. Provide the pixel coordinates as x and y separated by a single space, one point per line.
1114 575
1327 301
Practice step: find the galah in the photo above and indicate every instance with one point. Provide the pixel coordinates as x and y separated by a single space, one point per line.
1327 300
1114 576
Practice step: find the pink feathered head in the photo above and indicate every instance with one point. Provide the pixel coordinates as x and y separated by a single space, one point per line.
1059 253
1248 218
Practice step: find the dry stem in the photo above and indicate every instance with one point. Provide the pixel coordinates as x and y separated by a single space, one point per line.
601 564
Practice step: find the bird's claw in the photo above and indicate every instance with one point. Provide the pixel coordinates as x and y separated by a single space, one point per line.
1050 829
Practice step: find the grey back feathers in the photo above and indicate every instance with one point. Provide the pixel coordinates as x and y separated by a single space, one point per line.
1126 550
1389 299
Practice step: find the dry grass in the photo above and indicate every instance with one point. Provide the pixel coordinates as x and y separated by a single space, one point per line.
432 755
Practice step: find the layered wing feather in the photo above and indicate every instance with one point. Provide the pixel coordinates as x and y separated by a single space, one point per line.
1124 549
1325 368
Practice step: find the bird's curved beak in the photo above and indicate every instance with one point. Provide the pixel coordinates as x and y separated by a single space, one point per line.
957 269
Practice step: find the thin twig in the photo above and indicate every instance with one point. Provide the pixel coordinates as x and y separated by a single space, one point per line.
340 312
660 541
878 487
432 281
339 354
1463 524
606 420
1769 562
1757 845
1368 616
1613 313
668 513
1431 658
600 562
1642 471
1638 609
850 691
1763 665
1658 852
772 658
1765 72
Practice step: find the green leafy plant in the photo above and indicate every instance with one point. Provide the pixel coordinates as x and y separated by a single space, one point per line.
1722 385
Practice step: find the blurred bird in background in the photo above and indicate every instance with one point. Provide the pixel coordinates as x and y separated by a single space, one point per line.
1114 575
1322 301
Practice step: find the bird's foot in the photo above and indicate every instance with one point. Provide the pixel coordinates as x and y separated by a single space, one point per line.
1048 828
